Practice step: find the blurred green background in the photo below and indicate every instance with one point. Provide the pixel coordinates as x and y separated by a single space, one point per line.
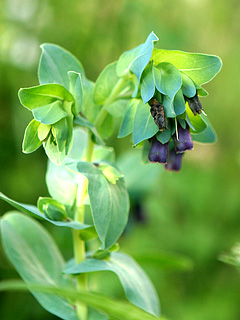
195 212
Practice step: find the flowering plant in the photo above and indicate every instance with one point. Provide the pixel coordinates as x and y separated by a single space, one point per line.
155 93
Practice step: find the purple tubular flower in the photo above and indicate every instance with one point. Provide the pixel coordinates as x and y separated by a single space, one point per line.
184 140
158 152
174 161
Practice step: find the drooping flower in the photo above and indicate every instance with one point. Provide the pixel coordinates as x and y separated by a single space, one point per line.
158 152
182 139
174 161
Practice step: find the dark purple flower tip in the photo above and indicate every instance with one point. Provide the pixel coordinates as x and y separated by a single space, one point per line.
174 161
158 152
194 104
182 139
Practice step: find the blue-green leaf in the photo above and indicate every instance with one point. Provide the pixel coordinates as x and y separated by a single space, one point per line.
55 62
50 113
31 141
118 108
188 87
37 259
89 108
125 61
201 68
168 79
127 123
179 103
85 123
144 126
33 211
52 150
107 127
60 132
144 55
165 135
42 95
197 121
105 84
76 90
147 84
137 286
109 202
206 136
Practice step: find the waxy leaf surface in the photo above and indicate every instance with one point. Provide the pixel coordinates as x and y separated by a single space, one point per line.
37 259
33 211
42 95
50 113
201 68
147 84
31 141
55 62
137 286
127 123
105 84
144 55
188 87
206 136
144 126
76 90
109 202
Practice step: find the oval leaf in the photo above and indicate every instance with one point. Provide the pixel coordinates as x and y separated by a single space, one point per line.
37 259
31 141
42 95
137 286
127 123
105 84
144 126
179 103
147 84
208 135
144 55
126 59
55 62
201 68
50 113
109 202
168 79
188 87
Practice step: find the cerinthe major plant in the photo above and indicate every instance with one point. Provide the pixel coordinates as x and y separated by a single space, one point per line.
156 93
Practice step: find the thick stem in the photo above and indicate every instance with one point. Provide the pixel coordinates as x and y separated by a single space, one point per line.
78 243
102 114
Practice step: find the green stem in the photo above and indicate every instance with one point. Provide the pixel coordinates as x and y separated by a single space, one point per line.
102 114
78 243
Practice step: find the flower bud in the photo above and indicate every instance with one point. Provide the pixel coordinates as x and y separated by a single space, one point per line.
182 140
194 104
174 161
158 152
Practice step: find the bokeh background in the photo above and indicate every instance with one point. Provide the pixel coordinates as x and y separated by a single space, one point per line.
195 213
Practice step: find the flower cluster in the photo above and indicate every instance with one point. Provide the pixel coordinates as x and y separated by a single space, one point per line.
171 152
